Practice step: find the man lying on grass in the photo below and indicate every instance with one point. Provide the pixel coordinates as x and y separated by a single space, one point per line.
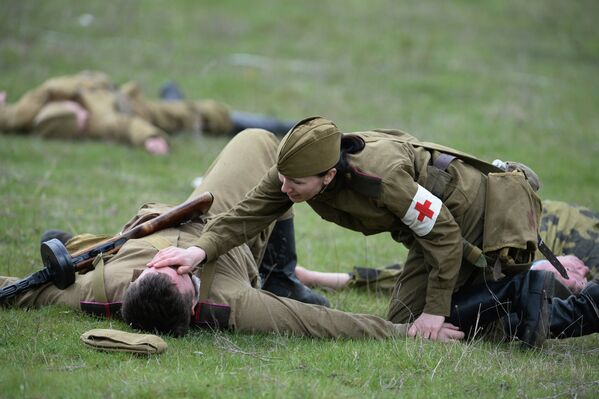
224 294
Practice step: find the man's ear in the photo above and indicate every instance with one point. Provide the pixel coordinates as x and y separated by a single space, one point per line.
330 175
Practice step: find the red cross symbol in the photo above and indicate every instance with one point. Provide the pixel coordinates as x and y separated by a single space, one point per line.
424 209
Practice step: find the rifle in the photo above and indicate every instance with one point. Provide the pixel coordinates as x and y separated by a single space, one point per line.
60 267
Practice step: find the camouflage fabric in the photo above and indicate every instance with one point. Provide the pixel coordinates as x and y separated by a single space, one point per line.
571 230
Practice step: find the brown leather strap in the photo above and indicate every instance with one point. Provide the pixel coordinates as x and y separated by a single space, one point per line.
443 160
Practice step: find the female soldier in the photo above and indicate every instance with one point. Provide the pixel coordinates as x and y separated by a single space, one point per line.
388 181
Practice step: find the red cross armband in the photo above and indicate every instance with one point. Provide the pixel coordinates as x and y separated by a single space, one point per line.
422 212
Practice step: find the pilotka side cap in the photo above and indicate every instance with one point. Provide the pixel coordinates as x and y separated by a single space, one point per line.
311 147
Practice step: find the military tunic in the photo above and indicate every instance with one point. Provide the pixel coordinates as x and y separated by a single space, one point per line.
241 164
434 268
122 114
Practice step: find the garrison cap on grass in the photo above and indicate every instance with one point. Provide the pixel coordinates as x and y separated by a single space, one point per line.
56 119
312 146
121 341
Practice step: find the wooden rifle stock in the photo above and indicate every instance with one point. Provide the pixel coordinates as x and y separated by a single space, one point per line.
188 210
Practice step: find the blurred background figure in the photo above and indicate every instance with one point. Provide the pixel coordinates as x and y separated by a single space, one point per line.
89 105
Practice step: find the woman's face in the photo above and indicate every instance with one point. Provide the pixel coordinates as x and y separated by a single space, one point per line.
300 189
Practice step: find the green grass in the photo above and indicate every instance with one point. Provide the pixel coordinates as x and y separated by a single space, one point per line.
500 79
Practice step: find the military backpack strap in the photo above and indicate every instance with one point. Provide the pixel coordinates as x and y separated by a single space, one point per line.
206 277
443 160
98 286
399 136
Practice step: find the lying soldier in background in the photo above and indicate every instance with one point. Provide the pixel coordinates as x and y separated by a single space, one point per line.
88 105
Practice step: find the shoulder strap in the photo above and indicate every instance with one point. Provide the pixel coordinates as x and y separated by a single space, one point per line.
403 137
98 287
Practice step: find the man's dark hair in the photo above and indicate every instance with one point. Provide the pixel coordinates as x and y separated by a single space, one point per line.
154 304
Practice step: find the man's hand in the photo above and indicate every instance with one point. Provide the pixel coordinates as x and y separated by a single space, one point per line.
426 326
156 145
449 333
183 259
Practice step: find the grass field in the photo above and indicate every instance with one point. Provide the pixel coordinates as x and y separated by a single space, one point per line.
500 79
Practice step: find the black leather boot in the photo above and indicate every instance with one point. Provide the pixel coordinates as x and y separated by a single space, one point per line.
525 294
170 92
278 267
243 120
577 315
60 235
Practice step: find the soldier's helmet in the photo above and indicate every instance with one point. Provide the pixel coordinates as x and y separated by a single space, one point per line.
56 120
312 146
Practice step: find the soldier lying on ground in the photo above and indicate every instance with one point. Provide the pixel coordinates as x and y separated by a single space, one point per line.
232 280
571 231
568 229
89 105
431 198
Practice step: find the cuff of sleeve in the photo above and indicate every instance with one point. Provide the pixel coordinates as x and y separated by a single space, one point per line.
438 301
140 131
208 247
401 330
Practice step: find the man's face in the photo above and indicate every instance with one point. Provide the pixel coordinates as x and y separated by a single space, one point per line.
300 189
182 282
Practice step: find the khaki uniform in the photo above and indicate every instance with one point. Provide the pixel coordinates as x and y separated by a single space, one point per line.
571 230
434 269
237 169
122 114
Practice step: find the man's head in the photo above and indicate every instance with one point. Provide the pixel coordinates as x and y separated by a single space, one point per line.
306 158
161 300
60 119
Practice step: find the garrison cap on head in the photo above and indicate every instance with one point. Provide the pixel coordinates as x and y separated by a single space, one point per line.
312 146
56 119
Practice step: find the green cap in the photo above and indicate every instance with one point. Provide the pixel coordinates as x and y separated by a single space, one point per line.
312 146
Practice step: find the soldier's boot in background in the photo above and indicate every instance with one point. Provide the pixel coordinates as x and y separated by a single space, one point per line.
170 92
277 269
60 235
243 120
526 294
